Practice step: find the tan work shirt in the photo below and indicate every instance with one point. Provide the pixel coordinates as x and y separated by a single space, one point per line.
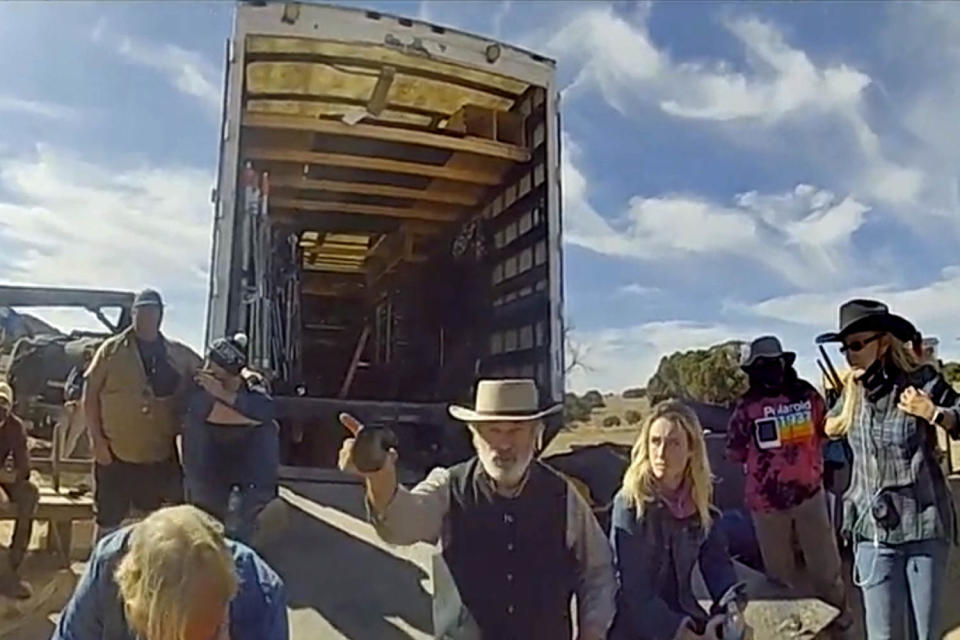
139 426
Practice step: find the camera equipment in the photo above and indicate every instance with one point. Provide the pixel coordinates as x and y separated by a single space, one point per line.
884 511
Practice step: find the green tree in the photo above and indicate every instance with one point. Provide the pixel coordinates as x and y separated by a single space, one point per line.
705 375
612 421
594 399
951 371
575 409
633 417
635 394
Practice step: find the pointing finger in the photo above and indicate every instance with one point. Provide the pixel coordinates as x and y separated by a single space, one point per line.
350 423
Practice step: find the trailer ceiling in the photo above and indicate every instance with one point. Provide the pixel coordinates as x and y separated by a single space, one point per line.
373 148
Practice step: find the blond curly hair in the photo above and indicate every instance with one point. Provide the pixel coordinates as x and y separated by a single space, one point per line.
170 553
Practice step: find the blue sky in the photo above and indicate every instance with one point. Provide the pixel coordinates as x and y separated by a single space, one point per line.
730 169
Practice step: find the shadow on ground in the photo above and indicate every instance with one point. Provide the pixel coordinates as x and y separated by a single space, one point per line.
950 610
354 586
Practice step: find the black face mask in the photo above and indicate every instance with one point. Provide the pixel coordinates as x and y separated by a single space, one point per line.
877 380
768 375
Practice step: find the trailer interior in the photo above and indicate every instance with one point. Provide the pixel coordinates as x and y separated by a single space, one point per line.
405 207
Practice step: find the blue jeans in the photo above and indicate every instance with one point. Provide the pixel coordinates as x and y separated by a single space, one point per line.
892 575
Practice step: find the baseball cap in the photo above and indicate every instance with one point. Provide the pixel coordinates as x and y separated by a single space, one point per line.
148 298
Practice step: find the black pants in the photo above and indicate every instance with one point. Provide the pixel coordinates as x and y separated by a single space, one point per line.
25 495
121 486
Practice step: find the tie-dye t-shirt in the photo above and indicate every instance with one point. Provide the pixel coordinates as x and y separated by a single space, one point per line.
780 439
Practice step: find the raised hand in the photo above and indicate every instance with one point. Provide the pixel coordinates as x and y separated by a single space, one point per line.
356 451
917 403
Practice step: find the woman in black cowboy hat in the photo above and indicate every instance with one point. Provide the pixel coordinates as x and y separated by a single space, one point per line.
898 511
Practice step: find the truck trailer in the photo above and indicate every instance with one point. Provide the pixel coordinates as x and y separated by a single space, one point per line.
387 222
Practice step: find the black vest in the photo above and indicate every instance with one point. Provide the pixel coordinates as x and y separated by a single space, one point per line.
509 556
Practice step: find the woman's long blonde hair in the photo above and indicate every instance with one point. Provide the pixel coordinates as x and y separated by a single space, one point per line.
639 484
171 552
903 357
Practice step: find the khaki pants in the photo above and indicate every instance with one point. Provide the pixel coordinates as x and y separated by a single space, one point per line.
817 542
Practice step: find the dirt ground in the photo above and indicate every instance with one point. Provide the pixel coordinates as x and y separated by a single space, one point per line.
330 555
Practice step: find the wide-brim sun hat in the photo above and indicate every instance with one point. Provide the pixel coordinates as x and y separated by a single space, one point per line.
505 401
869 315
766 347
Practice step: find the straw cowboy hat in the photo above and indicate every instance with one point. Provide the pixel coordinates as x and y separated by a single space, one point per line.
766 347
869 315
505 401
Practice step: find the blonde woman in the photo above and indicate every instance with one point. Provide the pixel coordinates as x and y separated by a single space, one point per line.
898 511
662 527
173 576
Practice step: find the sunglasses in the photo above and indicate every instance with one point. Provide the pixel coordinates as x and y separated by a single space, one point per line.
859 345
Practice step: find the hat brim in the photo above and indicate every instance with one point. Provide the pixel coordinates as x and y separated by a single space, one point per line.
464 414
787 356
898 326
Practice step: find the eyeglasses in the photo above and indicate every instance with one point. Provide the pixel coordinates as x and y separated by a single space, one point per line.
858 345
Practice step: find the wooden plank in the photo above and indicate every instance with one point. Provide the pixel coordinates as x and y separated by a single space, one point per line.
320 268
354 362
413 213
377 55
476 146
362 188
474 176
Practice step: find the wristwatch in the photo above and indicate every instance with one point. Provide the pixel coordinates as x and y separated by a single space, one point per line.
938 416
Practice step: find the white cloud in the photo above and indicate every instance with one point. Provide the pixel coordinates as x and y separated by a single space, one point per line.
423 11
500 15
635 289
50 110
933 307
802 235
619 58
68 222
187 71
616 56
783 81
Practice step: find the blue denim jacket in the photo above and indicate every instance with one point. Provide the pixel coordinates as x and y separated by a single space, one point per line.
655 557
95 612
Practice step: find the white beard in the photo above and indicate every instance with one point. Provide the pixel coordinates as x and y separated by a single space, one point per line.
508 476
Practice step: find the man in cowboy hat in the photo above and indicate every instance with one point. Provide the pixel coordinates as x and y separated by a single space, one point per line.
516 540
777 431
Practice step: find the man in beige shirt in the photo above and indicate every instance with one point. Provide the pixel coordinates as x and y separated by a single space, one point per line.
515 540
133 401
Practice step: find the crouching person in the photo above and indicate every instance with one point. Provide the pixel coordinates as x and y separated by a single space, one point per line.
230 440
16 488
516 540
662 528
173 576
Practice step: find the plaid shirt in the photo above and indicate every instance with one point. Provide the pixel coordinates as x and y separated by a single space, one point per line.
895 453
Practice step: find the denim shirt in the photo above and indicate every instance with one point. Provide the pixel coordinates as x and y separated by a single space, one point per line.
894 454
95 611
655 556
211 452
